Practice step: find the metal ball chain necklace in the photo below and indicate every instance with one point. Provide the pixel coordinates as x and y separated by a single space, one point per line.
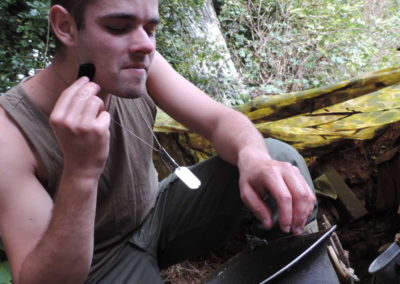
183 173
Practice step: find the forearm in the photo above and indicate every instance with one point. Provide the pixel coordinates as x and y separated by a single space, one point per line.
235 137
64 253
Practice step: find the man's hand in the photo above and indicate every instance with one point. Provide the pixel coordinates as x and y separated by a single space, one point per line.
260 175
81 126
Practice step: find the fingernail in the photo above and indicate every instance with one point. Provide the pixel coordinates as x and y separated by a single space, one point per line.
266 222
297 231
286 229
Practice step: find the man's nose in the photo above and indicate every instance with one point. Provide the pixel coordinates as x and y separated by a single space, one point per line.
141 42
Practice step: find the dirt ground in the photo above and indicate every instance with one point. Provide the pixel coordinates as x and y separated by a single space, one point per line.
363 238
367 237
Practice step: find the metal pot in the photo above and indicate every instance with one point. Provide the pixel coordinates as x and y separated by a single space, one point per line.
386 267
290 260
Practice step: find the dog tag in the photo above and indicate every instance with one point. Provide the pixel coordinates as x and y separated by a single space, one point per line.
187 177
183 173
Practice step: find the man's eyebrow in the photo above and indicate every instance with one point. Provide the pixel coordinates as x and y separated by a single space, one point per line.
154 20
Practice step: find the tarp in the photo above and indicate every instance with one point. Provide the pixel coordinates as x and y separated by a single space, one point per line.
308 120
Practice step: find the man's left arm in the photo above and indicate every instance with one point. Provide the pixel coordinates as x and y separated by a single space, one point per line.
238 142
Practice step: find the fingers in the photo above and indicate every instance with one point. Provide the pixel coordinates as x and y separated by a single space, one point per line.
78 104
277 187
91 109
294 198
302 198
310 197
64 101
104 119
81 126
257 205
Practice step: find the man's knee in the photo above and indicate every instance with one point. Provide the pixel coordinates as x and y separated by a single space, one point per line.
282 151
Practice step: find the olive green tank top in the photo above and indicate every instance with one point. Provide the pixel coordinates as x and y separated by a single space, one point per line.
128 186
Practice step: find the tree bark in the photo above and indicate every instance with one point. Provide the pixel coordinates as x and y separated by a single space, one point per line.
208 57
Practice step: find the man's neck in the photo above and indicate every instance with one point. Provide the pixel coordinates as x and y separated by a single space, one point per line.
46 86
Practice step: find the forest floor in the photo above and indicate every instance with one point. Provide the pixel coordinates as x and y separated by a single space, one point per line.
364 238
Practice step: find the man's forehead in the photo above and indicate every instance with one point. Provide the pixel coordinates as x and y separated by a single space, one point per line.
137 8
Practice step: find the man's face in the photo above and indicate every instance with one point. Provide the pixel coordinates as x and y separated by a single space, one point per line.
119 38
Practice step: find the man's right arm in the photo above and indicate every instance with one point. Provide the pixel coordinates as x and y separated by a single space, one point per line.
46 241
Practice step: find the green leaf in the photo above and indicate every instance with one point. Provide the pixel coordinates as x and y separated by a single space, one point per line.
5 274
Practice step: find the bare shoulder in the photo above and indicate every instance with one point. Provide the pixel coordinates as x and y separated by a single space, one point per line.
14 149
24 204
18 164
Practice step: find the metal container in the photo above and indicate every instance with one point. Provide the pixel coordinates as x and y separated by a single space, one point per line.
386 267
291 260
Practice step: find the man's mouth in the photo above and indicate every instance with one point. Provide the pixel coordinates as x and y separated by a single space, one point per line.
135 71
136 66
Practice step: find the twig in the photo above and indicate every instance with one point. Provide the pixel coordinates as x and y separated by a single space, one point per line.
344 272
336 244
339 256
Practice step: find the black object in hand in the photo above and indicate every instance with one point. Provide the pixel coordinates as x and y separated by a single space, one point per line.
88 70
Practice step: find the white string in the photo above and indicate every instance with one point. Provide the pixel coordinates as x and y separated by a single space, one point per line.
137 137
164 155
59 75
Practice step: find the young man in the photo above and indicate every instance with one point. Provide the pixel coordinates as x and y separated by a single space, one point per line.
79 199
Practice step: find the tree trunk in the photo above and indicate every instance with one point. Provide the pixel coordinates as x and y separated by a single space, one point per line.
209 63
208 28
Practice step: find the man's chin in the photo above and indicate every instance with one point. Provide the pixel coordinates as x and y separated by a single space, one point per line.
130 93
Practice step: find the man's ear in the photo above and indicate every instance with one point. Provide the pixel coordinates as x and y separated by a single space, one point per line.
63 25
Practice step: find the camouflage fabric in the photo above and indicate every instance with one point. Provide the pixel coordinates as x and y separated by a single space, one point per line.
308 120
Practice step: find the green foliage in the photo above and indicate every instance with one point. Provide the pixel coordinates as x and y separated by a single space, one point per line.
5 275
283 46
186 50
174 38
277 45
22 39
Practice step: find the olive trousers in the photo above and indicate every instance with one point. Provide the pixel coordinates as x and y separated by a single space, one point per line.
186 223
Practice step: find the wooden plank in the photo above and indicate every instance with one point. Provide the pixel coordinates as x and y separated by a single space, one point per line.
346 195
